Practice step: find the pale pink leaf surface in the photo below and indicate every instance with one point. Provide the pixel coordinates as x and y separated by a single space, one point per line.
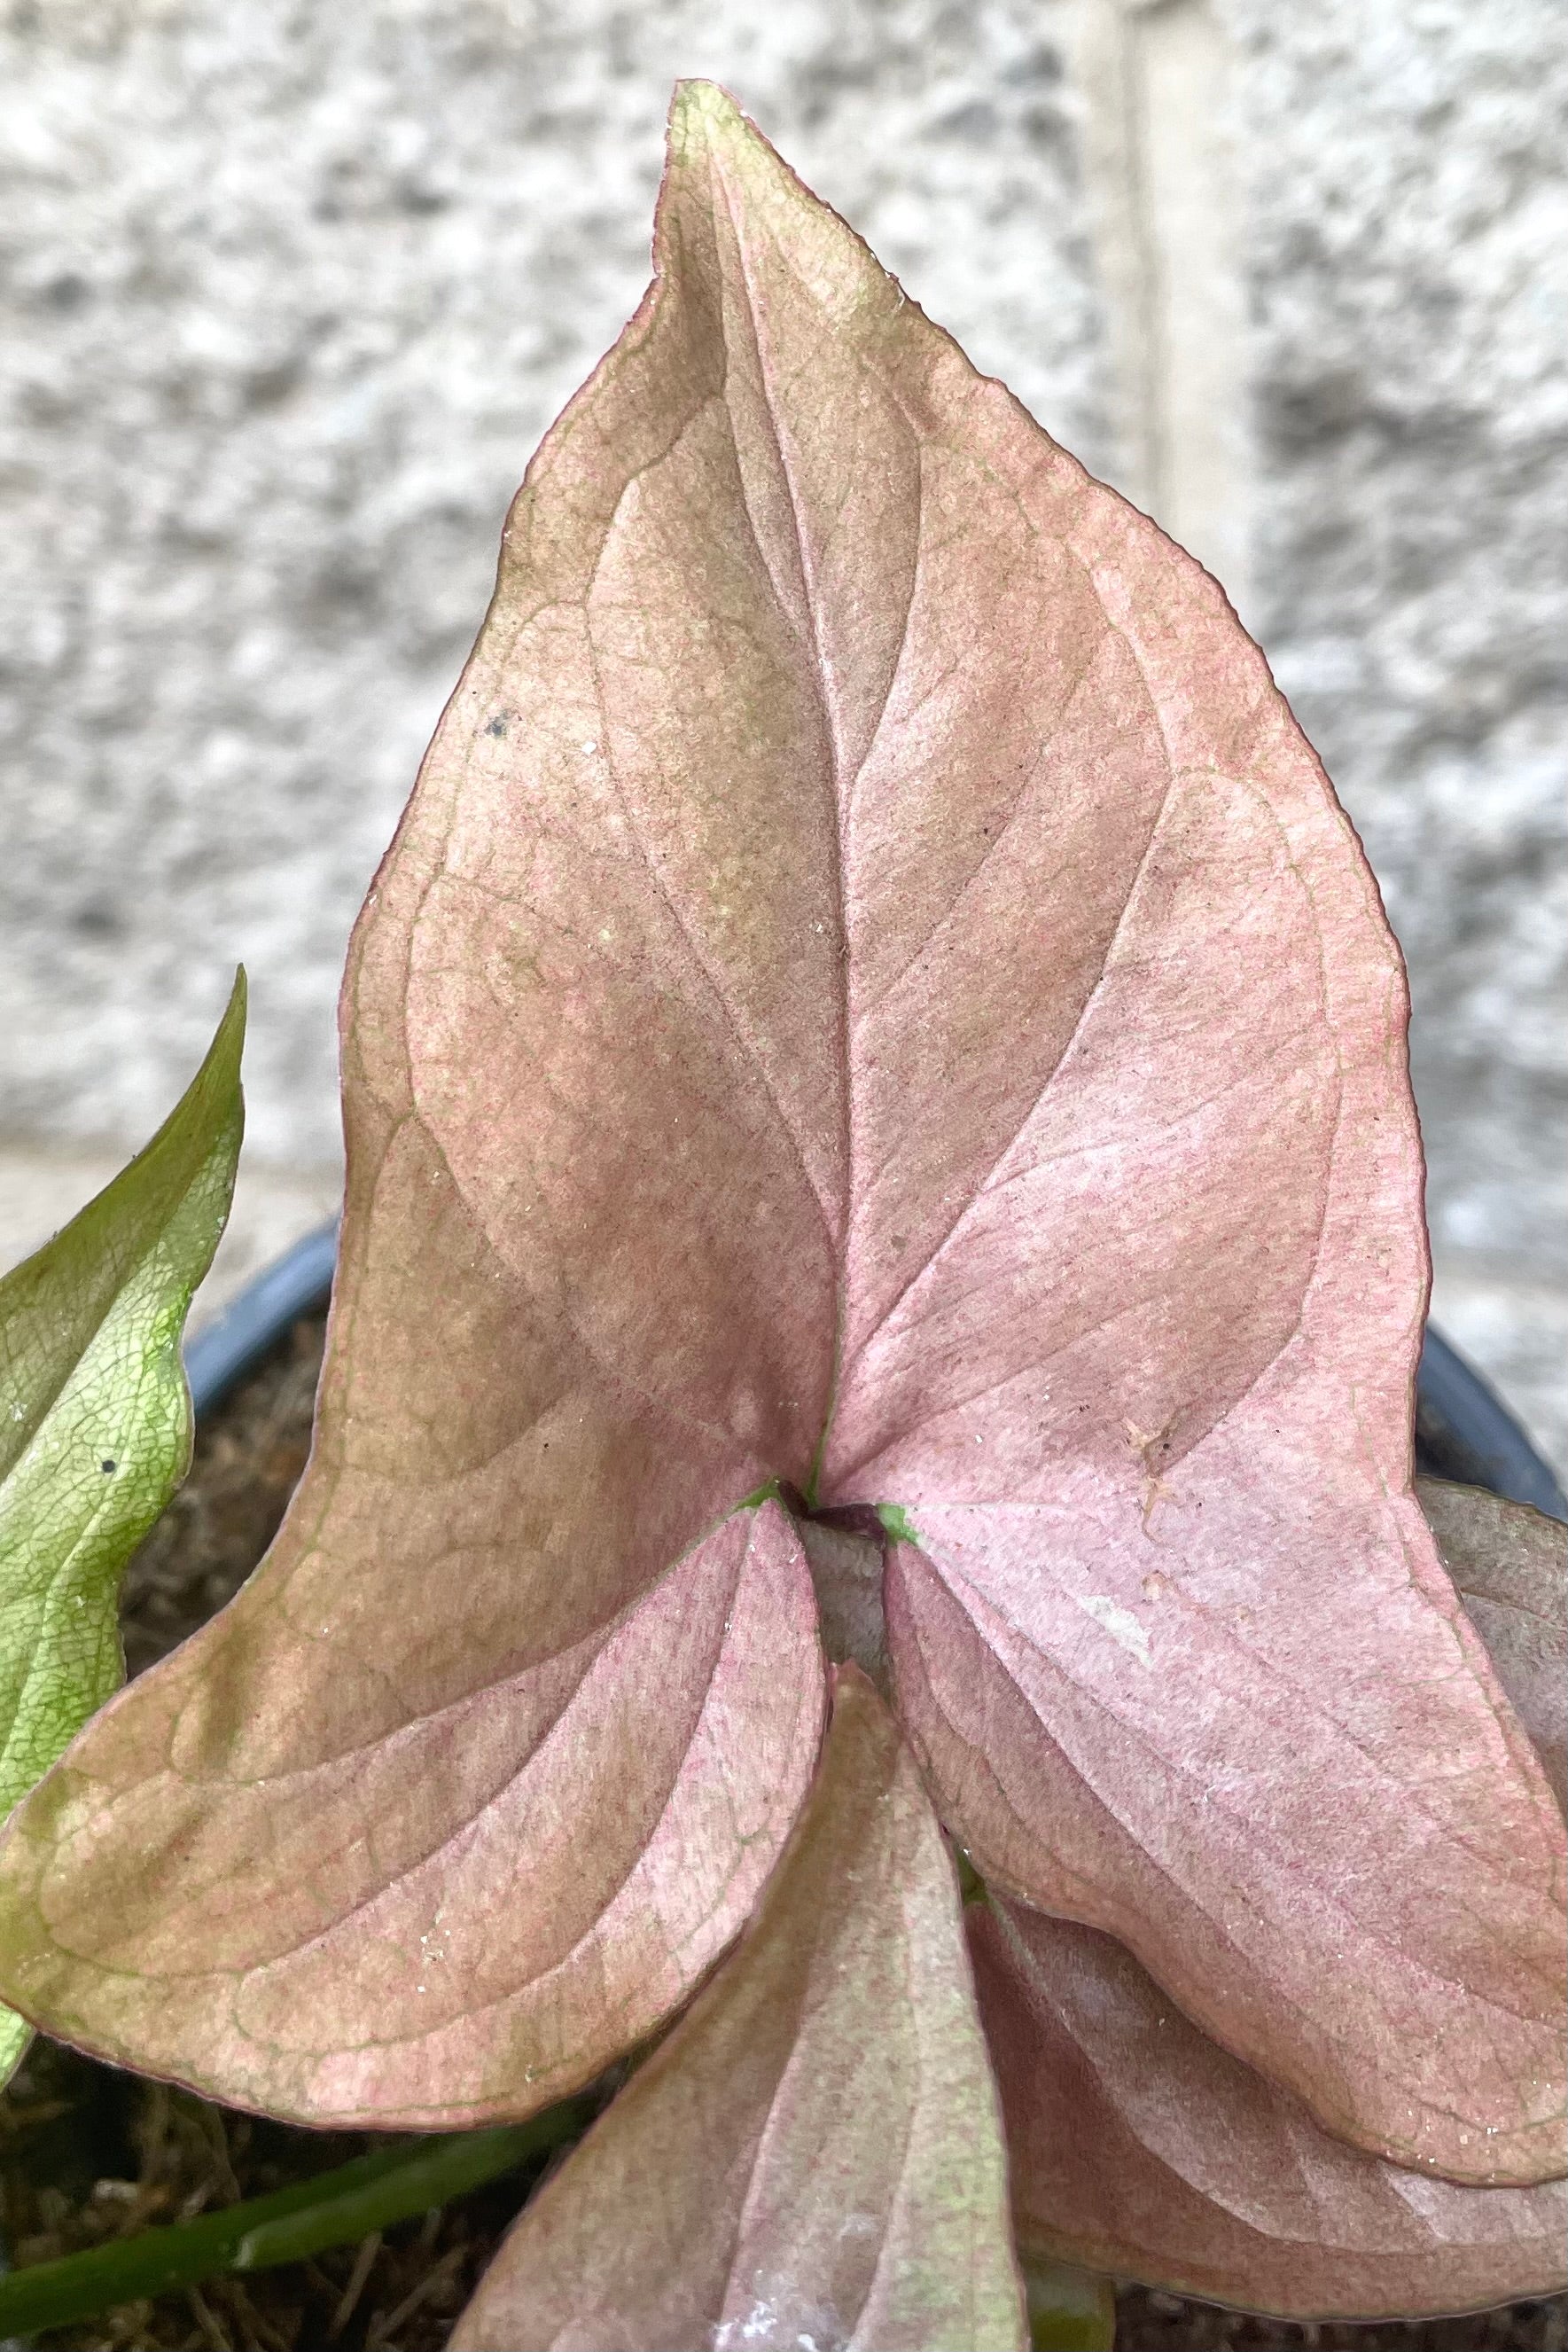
467 1912
814 2155
872 989
1138 2146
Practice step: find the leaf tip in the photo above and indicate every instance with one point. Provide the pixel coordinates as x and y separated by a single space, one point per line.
228 1040
702 114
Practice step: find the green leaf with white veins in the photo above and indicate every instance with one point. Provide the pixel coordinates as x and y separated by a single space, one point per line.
95 1419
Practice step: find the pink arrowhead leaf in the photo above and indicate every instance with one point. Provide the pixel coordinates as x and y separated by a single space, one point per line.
1139 2146
323 1893
872 991
814 2155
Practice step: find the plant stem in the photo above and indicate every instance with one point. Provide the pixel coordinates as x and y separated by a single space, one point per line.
333 2209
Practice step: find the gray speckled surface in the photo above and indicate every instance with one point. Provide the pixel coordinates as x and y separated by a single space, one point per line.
1409 258
1412 300
293 293
290 294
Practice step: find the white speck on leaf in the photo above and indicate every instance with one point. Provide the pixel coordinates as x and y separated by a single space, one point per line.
759 2322
1119 1622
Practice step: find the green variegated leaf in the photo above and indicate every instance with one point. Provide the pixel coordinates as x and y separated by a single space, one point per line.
95 1419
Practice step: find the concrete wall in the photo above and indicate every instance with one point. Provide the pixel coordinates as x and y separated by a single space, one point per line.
290 293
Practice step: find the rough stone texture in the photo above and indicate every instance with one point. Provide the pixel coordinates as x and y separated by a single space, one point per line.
289 293
1409 259
293 292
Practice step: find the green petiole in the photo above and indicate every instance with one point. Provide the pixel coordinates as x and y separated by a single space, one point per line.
334 2210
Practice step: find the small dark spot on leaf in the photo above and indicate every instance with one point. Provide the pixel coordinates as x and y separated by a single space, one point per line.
498 725
105 1467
